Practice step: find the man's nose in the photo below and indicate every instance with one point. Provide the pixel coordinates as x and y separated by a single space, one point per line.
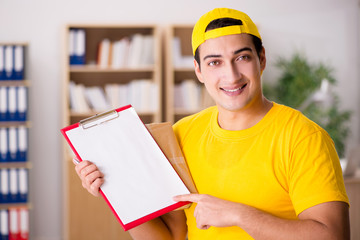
233 73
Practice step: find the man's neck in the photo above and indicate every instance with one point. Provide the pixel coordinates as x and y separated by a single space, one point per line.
244 118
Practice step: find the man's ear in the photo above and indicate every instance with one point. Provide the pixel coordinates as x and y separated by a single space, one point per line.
262 58
198 71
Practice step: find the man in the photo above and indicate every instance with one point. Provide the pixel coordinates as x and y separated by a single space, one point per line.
263 170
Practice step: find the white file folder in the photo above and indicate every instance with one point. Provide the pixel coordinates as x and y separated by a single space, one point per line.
4 145
4 223
3 103
9 62
2 62
18 62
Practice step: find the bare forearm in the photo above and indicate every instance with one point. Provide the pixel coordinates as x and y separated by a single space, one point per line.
153 229
261 225
170 226
328 221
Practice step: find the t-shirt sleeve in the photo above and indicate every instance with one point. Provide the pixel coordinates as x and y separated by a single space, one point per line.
315 174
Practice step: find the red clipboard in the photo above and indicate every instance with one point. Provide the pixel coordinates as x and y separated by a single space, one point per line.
141 181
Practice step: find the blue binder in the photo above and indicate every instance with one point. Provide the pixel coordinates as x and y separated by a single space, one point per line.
21 103
4 224
4 143
12 104
3 104
23 185
22 144
13 144
4 186
19 63
13 185
9 62
2 62
77 43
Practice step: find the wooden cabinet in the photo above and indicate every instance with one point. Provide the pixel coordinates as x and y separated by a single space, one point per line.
184 94
88 217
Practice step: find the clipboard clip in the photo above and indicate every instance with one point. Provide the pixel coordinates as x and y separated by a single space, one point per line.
99 119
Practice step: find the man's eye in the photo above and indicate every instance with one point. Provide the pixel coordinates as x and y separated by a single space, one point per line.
243 58
213 63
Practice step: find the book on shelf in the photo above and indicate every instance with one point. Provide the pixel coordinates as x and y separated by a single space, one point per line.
134 51
120 50
104 53
117 94
148 51
191 96
143 94
141 51
96 98
187 95
180 60
78 101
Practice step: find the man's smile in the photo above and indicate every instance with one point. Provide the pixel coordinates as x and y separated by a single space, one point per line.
233 90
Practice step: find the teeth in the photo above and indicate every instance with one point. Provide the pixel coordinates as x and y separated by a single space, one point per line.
234 90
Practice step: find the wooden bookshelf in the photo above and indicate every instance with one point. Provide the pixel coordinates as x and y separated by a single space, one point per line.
16 81
179 67
85 216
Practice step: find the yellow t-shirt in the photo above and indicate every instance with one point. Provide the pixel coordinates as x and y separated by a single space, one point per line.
282 165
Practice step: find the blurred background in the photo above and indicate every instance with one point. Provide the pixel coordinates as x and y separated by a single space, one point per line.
321 37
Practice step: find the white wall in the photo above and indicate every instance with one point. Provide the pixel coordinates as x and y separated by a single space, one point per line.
325 30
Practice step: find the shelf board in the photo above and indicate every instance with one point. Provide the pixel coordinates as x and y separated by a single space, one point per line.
15 205
14 43
16 83
111 26
15 124
27 165
93 68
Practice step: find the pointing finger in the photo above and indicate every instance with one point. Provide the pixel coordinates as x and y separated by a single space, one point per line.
187 198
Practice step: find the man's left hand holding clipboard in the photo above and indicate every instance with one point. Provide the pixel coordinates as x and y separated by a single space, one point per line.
90 176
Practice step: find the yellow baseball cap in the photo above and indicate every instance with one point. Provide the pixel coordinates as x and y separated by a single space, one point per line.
199 35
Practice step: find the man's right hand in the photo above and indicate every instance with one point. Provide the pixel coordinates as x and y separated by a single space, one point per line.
90 176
